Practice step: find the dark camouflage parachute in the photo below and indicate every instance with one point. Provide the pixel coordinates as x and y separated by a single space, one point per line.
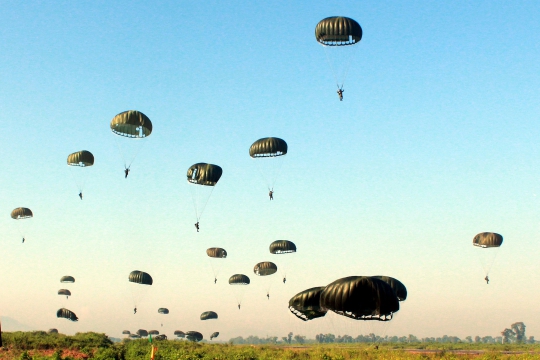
265 268
66 314
140 277
132 123
488 240
305 305
239 279
338 31
81 158
399 289
360 298
204 174
53 331
214 335
179 333
67 279
194 336
64 292
268 147
126 332
153 332
163 311
208 315
216 252
282 247
161 337
21 213
142 332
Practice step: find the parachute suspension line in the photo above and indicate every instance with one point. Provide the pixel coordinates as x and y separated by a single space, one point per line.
348 63
195 194
331 67
120 151
84 176
277 172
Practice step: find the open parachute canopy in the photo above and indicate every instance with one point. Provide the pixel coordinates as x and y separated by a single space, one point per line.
21 213
209 315
204 174
306 304
163 311
265 268
360 298
214 335
239 279
216 252
132 124
282 247
66 314
338 31
179 333
488 240
153 332
194 336
399 289
140 277
126 332
81 158
268 147
65 292
142 332
52 331
67 279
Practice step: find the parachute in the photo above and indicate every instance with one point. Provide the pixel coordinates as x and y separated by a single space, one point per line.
135 336
269 155
137 279
305 305
153 332
338 34
22 213
209 315
140 277
66 314
67 279
126 332
194 336
265 269
214 335
488 244
179 333
142 332
130 127
279 247
161 337
53 331
64 292
215 256
77 162
399 289
163 311
360 298
202 178
239 281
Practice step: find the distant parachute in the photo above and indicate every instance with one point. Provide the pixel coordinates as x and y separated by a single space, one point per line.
360 298
142 332
214 335
265 268
140 277
64 292
179 333
215 255
239 281
66 314
135 336
306 304
209 315
279 247
399 289
488 244
130 127
194 336
202 178
67 279
216 252
22 213
137 279
77 161
269 152
488 240
161 337
153 332
53 331
163 311
126 332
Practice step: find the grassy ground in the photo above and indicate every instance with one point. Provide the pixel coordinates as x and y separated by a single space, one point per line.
39 345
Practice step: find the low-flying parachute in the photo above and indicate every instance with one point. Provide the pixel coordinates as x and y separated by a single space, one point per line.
209 315
153 332
488 244
214 335
265 269
67 279
78 162
202 179
64 292
142 332
52 331
338 35
306 304
239 281
140 283
66 314
135 336
216 256
194 336
22 213
126 332
130 127
163 311
269 154
179 333
360 298
399 289
161 337
280 247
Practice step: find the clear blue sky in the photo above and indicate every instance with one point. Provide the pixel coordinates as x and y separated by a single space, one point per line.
435 141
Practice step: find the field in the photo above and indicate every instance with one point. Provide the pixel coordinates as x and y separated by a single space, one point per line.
40 345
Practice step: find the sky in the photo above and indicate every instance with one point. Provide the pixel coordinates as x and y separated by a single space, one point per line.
435 141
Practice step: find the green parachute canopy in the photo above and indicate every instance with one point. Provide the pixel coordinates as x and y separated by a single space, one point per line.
67 279
66 314
64 292
204 174
488 240
214 335
179 333
194 336
360 298
53 331
153 332
216 252
132 124
140 277
21 213
268 147
81 158
163 311
305 305
338 31
209 315
265 268
399 289
126 332
239 279
142 332
282 247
